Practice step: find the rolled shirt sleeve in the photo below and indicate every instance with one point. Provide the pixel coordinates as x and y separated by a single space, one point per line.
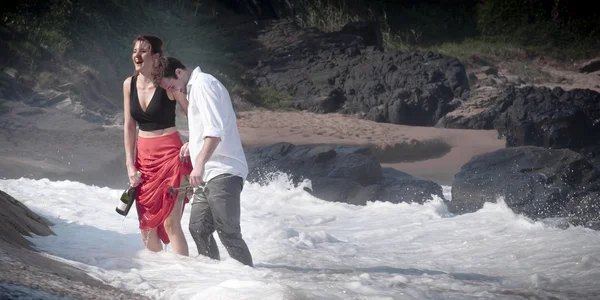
211 109
211 114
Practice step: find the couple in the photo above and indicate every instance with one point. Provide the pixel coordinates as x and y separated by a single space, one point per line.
213 158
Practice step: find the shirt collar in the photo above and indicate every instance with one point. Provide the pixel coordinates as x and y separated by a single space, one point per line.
195 74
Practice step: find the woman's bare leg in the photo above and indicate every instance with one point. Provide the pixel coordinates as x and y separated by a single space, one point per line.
174 231
151 240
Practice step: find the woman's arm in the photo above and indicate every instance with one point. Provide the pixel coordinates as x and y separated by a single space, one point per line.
129 133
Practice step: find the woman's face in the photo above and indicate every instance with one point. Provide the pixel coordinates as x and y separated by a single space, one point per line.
142 57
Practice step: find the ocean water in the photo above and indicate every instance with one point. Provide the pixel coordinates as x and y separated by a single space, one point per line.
306 248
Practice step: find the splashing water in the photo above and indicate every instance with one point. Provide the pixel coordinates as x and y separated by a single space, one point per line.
306 248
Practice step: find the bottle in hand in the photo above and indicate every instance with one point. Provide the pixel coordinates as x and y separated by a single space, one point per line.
127 199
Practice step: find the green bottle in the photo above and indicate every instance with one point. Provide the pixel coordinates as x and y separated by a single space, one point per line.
127 199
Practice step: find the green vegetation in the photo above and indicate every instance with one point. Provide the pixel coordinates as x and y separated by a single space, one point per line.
54 42
47 43
564 30
273 99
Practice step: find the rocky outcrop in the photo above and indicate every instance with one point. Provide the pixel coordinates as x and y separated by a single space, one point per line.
85 97
339 173
478 112
338 72
369 31
28 275
590 66
539 116
551 118
16 221
536 182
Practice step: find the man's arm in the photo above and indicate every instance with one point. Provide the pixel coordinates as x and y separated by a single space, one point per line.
182 100
207 97
208 148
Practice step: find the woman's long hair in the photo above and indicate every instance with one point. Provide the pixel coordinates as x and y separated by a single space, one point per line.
156 45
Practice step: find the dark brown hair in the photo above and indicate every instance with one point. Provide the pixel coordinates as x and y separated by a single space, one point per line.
156 44
166 68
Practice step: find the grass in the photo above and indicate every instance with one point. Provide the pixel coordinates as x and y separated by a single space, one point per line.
272 99
47 80
422 29
99 38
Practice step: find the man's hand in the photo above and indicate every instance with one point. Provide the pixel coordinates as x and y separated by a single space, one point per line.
209 146
196 176
184 153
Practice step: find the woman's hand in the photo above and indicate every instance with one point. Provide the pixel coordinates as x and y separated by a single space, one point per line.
135 177
184 153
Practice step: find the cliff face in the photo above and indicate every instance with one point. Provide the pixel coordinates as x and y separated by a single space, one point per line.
16 220
74 55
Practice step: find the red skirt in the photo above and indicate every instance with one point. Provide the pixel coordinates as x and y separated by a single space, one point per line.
158 160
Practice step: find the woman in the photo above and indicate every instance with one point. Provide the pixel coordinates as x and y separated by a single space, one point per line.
161 160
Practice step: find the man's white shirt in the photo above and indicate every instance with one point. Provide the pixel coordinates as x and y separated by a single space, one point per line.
210 114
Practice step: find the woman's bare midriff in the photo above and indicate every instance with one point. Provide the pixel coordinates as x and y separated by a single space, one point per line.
157 133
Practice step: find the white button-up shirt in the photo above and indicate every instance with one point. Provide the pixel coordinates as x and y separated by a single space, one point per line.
210 114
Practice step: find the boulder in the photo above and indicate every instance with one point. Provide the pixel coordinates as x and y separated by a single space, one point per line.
551 118
590 66
28 274
338 72
16 221
538 116
534 181
370 32
338 173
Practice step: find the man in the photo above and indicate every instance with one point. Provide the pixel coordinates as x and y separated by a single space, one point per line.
218 160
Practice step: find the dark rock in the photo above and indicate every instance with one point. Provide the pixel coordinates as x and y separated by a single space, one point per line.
397 187
590 66
481 121
538 116
339 173
478 112
16 220
592 153
85 97
336 71
27 274
472 77
477 61
328 104
481 76
549 118
370 32
536 182
489 70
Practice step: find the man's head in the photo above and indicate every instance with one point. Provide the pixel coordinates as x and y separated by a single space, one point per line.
172 75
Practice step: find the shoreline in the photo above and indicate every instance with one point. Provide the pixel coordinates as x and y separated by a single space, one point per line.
96 155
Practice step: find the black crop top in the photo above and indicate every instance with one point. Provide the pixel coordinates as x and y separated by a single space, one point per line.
159 114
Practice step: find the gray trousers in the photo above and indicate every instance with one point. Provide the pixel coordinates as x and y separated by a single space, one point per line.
217 207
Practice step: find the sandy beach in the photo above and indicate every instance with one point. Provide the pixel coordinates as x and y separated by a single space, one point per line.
426 152
77 150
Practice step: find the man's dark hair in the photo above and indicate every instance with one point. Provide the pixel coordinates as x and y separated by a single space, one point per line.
166 68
